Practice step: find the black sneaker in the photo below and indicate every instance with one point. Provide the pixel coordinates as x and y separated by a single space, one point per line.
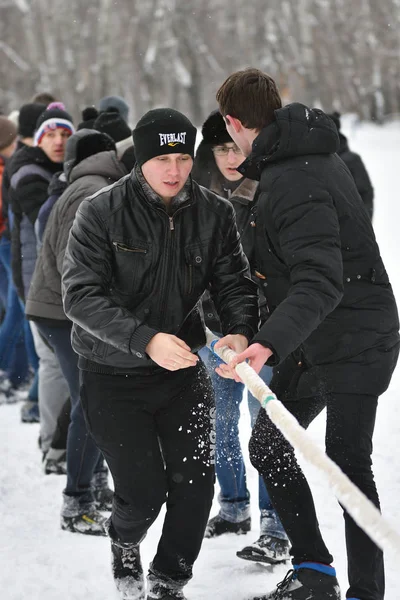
90 523
127 570
305 584
55 462
267 549
218 526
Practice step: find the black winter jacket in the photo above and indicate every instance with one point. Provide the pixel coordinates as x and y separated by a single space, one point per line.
131 271
30 174
357 168
321 271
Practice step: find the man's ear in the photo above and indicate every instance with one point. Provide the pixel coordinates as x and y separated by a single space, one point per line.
233 122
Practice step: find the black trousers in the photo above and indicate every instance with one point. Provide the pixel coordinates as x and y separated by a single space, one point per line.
157 434
349 430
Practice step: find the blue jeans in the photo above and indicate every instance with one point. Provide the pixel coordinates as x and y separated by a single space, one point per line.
13 357
83 456
234 497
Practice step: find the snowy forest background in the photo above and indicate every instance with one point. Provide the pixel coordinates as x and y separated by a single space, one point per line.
332 53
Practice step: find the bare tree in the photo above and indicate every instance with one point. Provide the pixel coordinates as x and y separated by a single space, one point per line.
338 54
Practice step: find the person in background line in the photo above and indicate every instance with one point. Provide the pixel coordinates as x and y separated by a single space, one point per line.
117 104
139 257
44 98
13 360
333 330
356 167
90 164
10 333
215 167
31 170
111 122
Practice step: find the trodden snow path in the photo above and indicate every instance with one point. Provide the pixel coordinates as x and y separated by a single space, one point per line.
38 561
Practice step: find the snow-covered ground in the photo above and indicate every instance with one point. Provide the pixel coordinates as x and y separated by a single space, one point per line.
40 562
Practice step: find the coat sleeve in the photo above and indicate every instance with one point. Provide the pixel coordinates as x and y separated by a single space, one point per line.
232 289
307 225
32 192
86 283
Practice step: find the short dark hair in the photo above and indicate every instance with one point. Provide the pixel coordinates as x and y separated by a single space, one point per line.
44 98
250 96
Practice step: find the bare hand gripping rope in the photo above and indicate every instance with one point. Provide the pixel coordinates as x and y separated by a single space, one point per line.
364 513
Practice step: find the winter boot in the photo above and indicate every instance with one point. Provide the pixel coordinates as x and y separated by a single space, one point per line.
126 566
163 588
127 570
78 515
30 412
304 583
55 462
103 496
267 549
218 526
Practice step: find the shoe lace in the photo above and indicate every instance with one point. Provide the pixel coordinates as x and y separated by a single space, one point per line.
284 584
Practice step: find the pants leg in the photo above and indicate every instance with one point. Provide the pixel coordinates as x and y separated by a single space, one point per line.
13 357
190 476
53 389
349 431
59 441
270 523
234 498
33 359
155 434
82 452
274 458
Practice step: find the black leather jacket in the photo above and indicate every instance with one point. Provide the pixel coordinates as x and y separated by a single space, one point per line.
131 270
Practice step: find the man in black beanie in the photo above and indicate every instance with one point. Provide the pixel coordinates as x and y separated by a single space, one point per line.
140 255
111 122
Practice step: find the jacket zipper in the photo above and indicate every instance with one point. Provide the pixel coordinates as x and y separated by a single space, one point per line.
123 248
167 279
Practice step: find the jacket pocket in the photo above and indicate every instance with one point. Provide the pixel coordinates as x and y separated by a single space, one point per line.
99 349
195 270
130 268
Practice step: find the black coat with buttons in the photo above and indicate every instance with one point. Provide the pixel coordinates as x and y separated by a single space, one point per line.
131 270
334 320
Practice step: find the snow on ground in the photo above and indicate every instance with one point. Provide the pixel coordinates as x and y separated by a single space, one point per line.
40 562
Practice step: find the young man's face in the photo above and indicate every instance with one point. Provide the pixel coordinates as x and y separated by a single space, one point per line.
228 157
238 134
167 174
53 144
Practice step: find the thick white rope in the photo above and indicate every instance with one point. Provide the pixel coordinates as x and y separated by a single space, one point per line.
364 513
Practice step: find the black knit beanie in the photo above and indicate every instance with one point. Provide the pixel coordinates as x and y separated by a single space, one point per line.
163 131
28 115
89 115
214 130
111 122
